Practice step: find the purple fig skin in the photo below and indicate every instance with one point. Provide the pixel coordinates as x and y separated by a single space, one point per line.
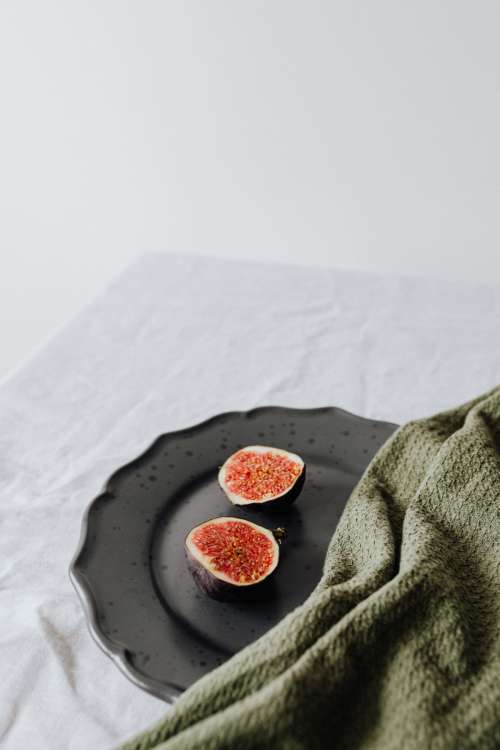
223 590
280 503
204 579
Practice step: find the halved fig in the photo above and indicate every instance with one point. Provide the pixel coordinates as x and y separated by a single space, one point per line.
228 557
261 477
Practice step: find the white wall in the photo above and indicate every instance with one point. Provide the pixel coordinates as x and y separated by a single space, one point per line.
351 134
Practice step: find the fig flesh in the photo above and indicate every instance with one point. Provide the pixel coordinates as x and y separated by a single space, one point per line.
231 557
262 477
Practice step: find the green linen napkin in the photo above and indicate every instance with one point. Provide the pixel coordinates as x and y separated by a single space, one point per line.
399 644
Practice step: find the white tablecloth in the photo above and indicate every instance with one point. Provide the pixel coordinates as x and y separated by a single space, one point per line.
172 342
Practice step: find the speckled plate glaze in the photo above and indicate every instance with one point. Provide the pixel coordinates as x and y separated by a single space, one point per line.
142 606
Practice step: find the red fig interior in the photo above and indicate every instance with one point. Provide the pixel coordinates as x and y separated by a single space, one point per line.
234 550
259 473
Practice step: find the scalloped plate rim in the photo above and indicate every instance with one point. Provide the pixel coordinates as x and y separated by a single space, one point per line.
117 652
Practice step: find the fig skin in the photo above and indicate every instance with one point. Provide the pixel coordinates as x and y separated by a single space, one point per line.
223 590
282 502
272 504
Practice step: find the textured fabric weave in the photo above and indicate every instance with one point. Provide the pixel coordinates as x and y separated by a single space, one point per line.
399 644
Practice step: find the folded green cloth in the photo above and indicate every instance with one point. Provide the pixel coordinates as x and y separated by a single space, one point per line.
398 647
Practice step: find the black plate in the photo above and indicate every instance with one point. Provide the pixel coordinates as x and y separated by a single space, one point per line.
141 603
